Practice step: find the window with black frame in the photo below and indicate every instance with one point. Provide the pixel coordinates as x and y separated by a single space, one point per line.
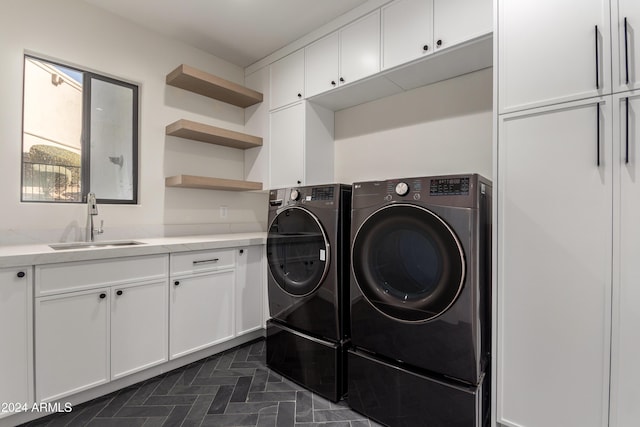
80 135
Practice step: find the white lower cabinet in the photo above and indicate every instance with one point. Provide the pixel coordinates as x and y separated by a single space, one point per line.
98 321
116 325
72 343
139 327
249 289
16 360
201 300
554 276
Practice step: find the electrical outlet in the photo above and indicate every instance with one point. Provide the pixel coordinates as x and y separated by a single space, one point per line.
223 211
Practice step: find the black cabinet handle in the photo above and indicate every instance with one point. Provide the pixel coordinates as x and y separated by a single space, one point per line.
333 82
103 295
439 43
425 47
597 60
299 182
241 251
299 95
626 52
21 274
119 292
598 134
626 131
206 261
341 80
176 283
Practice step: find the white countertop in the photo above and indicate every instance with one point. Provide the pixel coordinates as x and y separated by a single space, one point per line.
24 255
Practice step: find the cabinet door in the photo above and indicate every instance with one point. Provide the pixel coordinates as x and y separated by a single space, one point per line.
322 65
360 49
72 343
139 327
625 370
287 80
249 289
17 336
407 31
456 21
547 52
554 266
287 146
625 24
201 311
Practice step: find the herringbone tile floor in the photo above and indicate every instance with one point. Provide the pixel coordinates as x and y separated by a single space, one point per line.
233 388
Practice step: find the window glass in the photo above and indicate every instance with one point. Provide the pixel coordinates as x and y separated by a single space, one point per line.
80 135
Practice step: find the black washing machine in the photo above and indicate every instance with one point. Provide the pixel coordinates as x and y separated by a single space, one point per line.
420 301
308 285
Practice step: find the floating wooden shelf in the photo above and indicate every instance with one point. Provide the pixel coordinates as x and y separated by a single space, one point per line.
203 83
212 135
208 183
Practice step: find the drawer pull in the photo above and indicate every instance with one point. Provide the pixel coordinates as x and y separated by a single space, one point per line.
206 261
103 296
119 292
21 274
176 283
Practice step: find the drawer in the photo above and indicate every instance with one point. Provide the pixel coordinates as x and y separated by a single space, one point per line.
197 261
73 276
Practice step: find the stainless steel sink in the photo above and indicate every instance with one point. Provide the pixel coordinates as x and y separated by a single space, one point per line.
90 245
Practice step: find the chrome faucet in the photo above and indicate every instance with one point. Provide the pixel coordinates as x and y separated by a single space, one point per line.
92 210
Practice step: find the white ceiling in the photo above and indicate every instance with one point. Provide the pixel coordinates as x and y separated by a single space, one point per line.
239 31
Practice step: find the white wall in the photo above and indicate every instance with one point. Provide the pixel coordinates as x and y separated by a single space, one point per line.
85 36
437 129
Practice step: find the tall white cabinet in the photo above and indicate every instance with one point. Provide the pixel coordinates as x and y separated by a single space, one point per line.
567 207
625 354
554 269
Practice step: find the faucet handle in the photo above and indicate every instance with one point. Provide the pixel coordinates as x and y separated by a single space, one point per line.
100 230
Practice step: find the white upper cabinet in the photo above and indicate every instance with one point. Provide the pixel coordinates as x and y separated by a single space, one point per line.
302 147
287 146
322 64
551 52
456 21
360 49
343 56
625 23
287 80
407 31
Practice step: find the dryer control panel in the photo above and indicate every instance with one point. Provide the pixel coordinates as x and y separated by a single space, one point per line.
447 190
325 195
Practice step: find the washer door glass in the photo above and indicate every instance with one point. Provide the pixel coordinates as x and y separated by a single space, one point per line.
408 263
297 251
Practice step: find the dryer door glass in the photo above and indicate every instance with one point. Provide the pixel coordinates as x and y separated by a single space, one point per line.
408 263
297 251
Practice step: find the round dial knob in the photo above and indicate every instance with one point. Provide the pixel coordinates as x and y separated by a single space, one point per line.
402 189
295 195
